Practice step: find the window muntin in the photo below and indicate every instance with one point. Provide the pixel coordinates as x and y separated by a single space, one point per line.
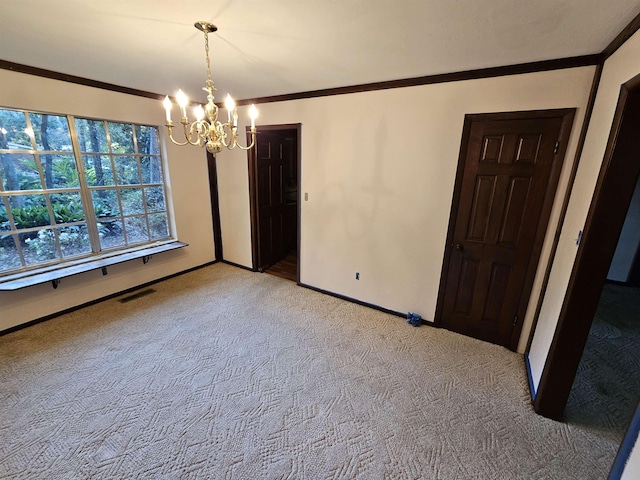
76 187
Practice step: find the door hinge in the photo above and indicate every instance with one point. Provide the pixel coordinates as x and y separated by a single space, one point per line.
515 319
557 147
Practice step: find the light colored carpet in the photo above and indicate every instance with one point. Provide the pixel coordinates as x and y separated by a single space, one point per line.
229 374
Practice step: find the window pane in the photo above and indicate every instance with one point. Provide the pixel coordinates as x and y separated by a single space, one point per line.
151 170
97 170
5 226
38 246
136 229
60 171
147 140
9 257
19 172
92 135
67 207
111 234
74 240
43 219
158 225
121 137
155 199
29 211
51 132
13 131
105 203
131 201
127 170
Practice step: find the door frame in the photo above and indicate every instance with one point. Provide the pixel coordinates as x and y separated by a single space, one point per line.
567 116
615 185
253 189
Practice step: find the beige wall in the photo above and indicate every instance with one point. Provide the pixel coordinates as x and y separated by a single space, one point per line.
187 172
619 68
379 168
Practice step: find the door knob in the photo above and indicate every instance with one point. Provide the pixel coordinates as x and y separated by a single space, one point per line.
459 247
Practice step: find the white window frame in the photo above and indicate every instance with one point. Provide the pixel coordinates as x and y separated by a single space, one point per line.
97 254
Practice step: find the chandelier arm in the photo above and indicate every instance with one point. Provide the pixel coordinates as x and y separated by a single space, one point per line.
203 129
180 144
188 134
198 130
248 147
233 133
223 127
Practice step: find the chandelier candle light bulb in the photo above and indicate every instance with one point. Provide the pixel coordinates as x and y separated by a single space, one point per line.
199 113
167 108
207 130
230 105
183 101
253 114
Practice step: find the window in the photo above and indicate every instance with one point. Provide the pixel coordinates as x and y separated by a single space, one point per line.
73 188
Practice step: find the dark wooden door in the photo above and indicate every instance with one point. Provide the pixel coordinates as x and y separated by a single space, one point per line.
506 182
271 161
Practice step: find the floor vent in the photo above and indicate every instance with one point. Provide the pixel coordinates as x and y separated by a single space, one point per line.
141 293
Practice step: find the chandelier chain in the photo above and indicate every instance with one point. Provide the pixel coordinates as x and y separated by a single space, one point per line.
209 82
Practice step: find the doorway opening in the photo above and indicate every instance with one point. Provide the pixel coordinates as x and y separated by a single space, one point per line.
274 195
611 199
607 387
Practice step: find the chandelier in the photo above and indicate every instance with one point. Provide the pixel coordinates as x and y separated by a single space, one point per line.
207 130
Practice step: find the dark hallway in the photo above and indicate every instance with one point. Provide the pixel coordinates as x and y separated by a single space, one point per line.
607 385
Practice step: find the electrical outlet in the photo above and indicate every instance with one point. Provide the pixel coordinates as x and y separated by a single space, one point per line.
306 197
357 275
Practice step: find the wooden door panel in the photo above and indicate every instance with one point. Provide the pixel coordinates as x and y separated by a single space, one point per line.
276 233
466 286
528 148
480 208
501 194
498 283
264 182
513 217
497 210
491 148
275 177
266 244
481 286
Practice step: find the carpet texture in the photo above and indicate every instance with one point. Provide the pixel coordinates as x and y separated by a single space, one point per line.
228 374
606 389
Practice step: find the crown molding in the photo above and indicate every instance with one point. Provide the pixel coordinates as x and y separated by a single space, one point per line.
541 66
41 72
622 37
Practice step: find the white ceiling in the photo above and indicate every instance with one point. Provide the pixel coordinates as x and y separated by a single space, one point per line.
273 47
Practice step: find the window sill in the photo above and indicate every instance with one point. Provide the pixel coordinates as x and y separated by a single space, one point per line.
54 274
